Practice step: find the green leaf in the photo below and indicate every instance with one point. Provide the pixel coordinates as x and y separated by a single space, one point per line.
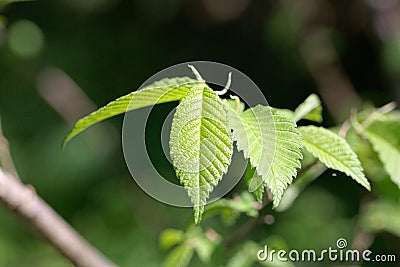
310 109
384 136
165 90
203 245
179 256
170 238
272 143
230 209
253 178
200 144
334 152
234 104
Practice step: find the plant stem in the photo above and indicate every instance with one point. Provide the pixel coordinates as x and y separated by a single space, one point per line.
5 156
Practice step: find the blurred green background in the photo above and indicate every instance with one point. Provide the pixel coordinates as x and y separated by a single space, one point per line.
59 59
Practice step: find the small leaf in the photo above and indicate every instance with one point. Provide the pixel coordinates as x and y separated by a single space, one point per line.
334 152
179 256
254 182
384 136
204 246
234 104
162 91
200 144
271 142
230 209
310 109
170 238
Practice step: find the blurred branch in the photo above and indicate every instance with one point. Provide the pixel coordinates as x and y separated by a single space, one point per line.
5 156
23 200
386 22
317 49
63 95
71 103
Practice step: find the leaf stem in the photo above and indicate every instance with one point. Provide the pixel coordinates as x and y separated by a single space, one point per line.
227 85
196 73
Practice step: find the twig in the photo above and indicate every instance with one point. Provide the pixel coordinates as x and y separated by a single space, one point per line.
5 156
196 73
227 86
200 79
344 129
23 200
314 40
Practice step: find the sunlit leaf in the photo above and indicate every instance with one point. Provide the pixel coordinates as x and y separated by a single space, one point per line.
310 109
170 238
230 209
200 144
162 91
384 136
271 142
252 177
334 152
179 256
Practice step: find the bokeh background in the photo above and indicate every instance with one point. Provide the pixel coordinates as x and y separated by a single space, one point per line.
60 59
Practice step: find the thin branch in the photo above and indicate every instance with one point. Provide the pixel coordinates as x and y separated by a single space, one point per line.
344 129
27 205
227 86
5 156
196 73
24 201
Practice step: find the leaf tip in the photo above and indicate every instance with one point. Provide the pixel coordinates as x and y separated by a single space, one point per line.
367 185
198 212
66 140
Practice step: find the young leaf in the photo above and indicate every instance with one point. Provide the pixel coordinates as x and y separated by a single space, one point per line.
271 142
310 109
179 256
165 90
170 238
194 240
230 209
385 139
253 178
200 144
334 152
